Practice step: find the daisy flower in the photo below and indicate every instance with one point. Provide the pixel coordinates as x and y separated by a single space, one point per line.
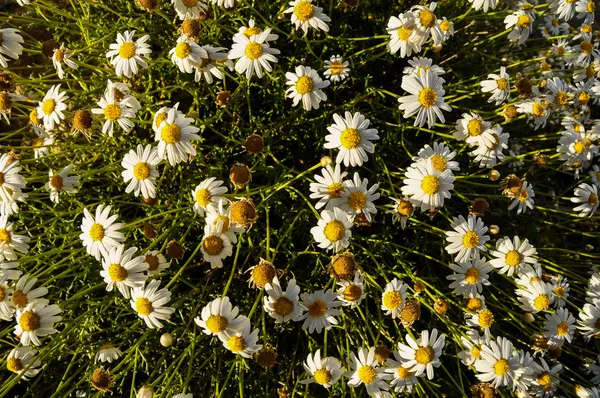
586 196
332 231
351 292
206 193
252 30
6 104
393 297
447 28
356 198
10 45
24 292
220 317
422 355
472 129
222 212
524 199
149 303
498 85
126 55
11 184
189 9
498 364
186 54
427 23
565 9
468 238
52 106
364 370
483 4
24 362
426 98
352 136
560 289
282 305
174 137
521 22
41 144
589 320
440 156
324 371
537 110
61 182
402 209
215 245
428 187
559 327
10 242
60 56
536 297
585 10
545 379
474 302
122 93
140 170
253 54
116 111
306 15
36 320
489 156
306 84
420 64
336 68
483 319
403 380
320 310
156 262
512 255
9 270
242 341
6 307
471 276
329 187
472 347
100 233
121 269
208 66
403 35
108 353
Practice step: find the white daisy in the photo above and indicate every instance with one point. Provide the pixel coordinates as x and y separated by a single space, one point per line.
589 320
6 104
222 212
126 55
352 136
498 364
498 85
521 22
402 209
24 293
253 54
428 187
122 93
545 379
121 269
156 262
393 297
559 327
403 35
220 317
51 107
586 196
186 54
174 137
422 355
324 371
320 310
208 66
471 276
426 98
11 184
10 45
61 182
586 10
9 270
24 362
524 199
140 170
440 156
241 342
306 84
483 4
420 64
356 198
215 245
536 297
189 9
351 292
100 233
332 231
206 193
490 155
149 303
472 345
472 129
404 381
483 319
565 9
6 308
328 187
60 56
10 242
306 15
336 69
537 110
560 290
252 30
364 370
107 353
512 255
36 320
42 143
282 305
468 237
116 111
427 23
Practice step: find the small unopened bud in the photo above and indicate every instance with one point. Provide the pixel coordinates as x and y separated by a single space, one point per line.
166 340
223 98
494 175
494 229
145 392
326 161
528 317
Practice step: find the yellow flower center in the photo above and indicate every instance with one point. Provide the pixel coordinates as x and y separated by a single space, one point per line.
182 50
96 232
475 127
48 106
593 199
213 245
404 33
334 230
33 117
14 364
427 97
112 112
236 344
152 262
541 302
56 182
5 103
586 47
472 276
357 200
190 3
404 208
304 85
524 21
470 239
591 6
559 291
141 171
486 319
203 197
513 258
584 98
579 147
554 22
538 109
424 355
317 309
427 18
335 190
170 133
336 68
523 195
29 321
367 374
545 381
251 31
439 162
476 352
586 28
253 50
304 11
534 279
501 367
404 373
352 292
502 83
350 138
430 184
473 303
161 117
127 50
322 376
445 26
562 329
561 98
217 323
117 272
143 306
5 236
224 220
282 306
392 300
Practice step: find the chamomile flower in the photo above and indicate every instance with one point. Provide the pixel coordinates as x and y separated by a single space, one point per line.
36 320
7 100
206 193
156 262
107 353
215 245
9 270
564 9
483 4
220 317
324 371
472 347
122 270
589 320
351 292
512 255
393 297
127 56
353 137
561 93
60 56
320 307
585 10
336 69
471 276
559 327
427 23
586 196
537 110
10 242
586 53
11 184
499 363
306 15
474 302
402 209
189 9
149 303
186 54
498 85
305 85
253 54
100 233
536 297
420 64
422 354
24 362
10 45
403 36
472 129
6 308
116 111
51 107
545 379
447 28
282 305
357 199
403 380
524 200
24 293
174 137
425 99
329 187
140 170
42 143
242 341
560 289
482 319
252 30
521 22
440 156
208 67
364 370
427 187
332 231
222 212
468 237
